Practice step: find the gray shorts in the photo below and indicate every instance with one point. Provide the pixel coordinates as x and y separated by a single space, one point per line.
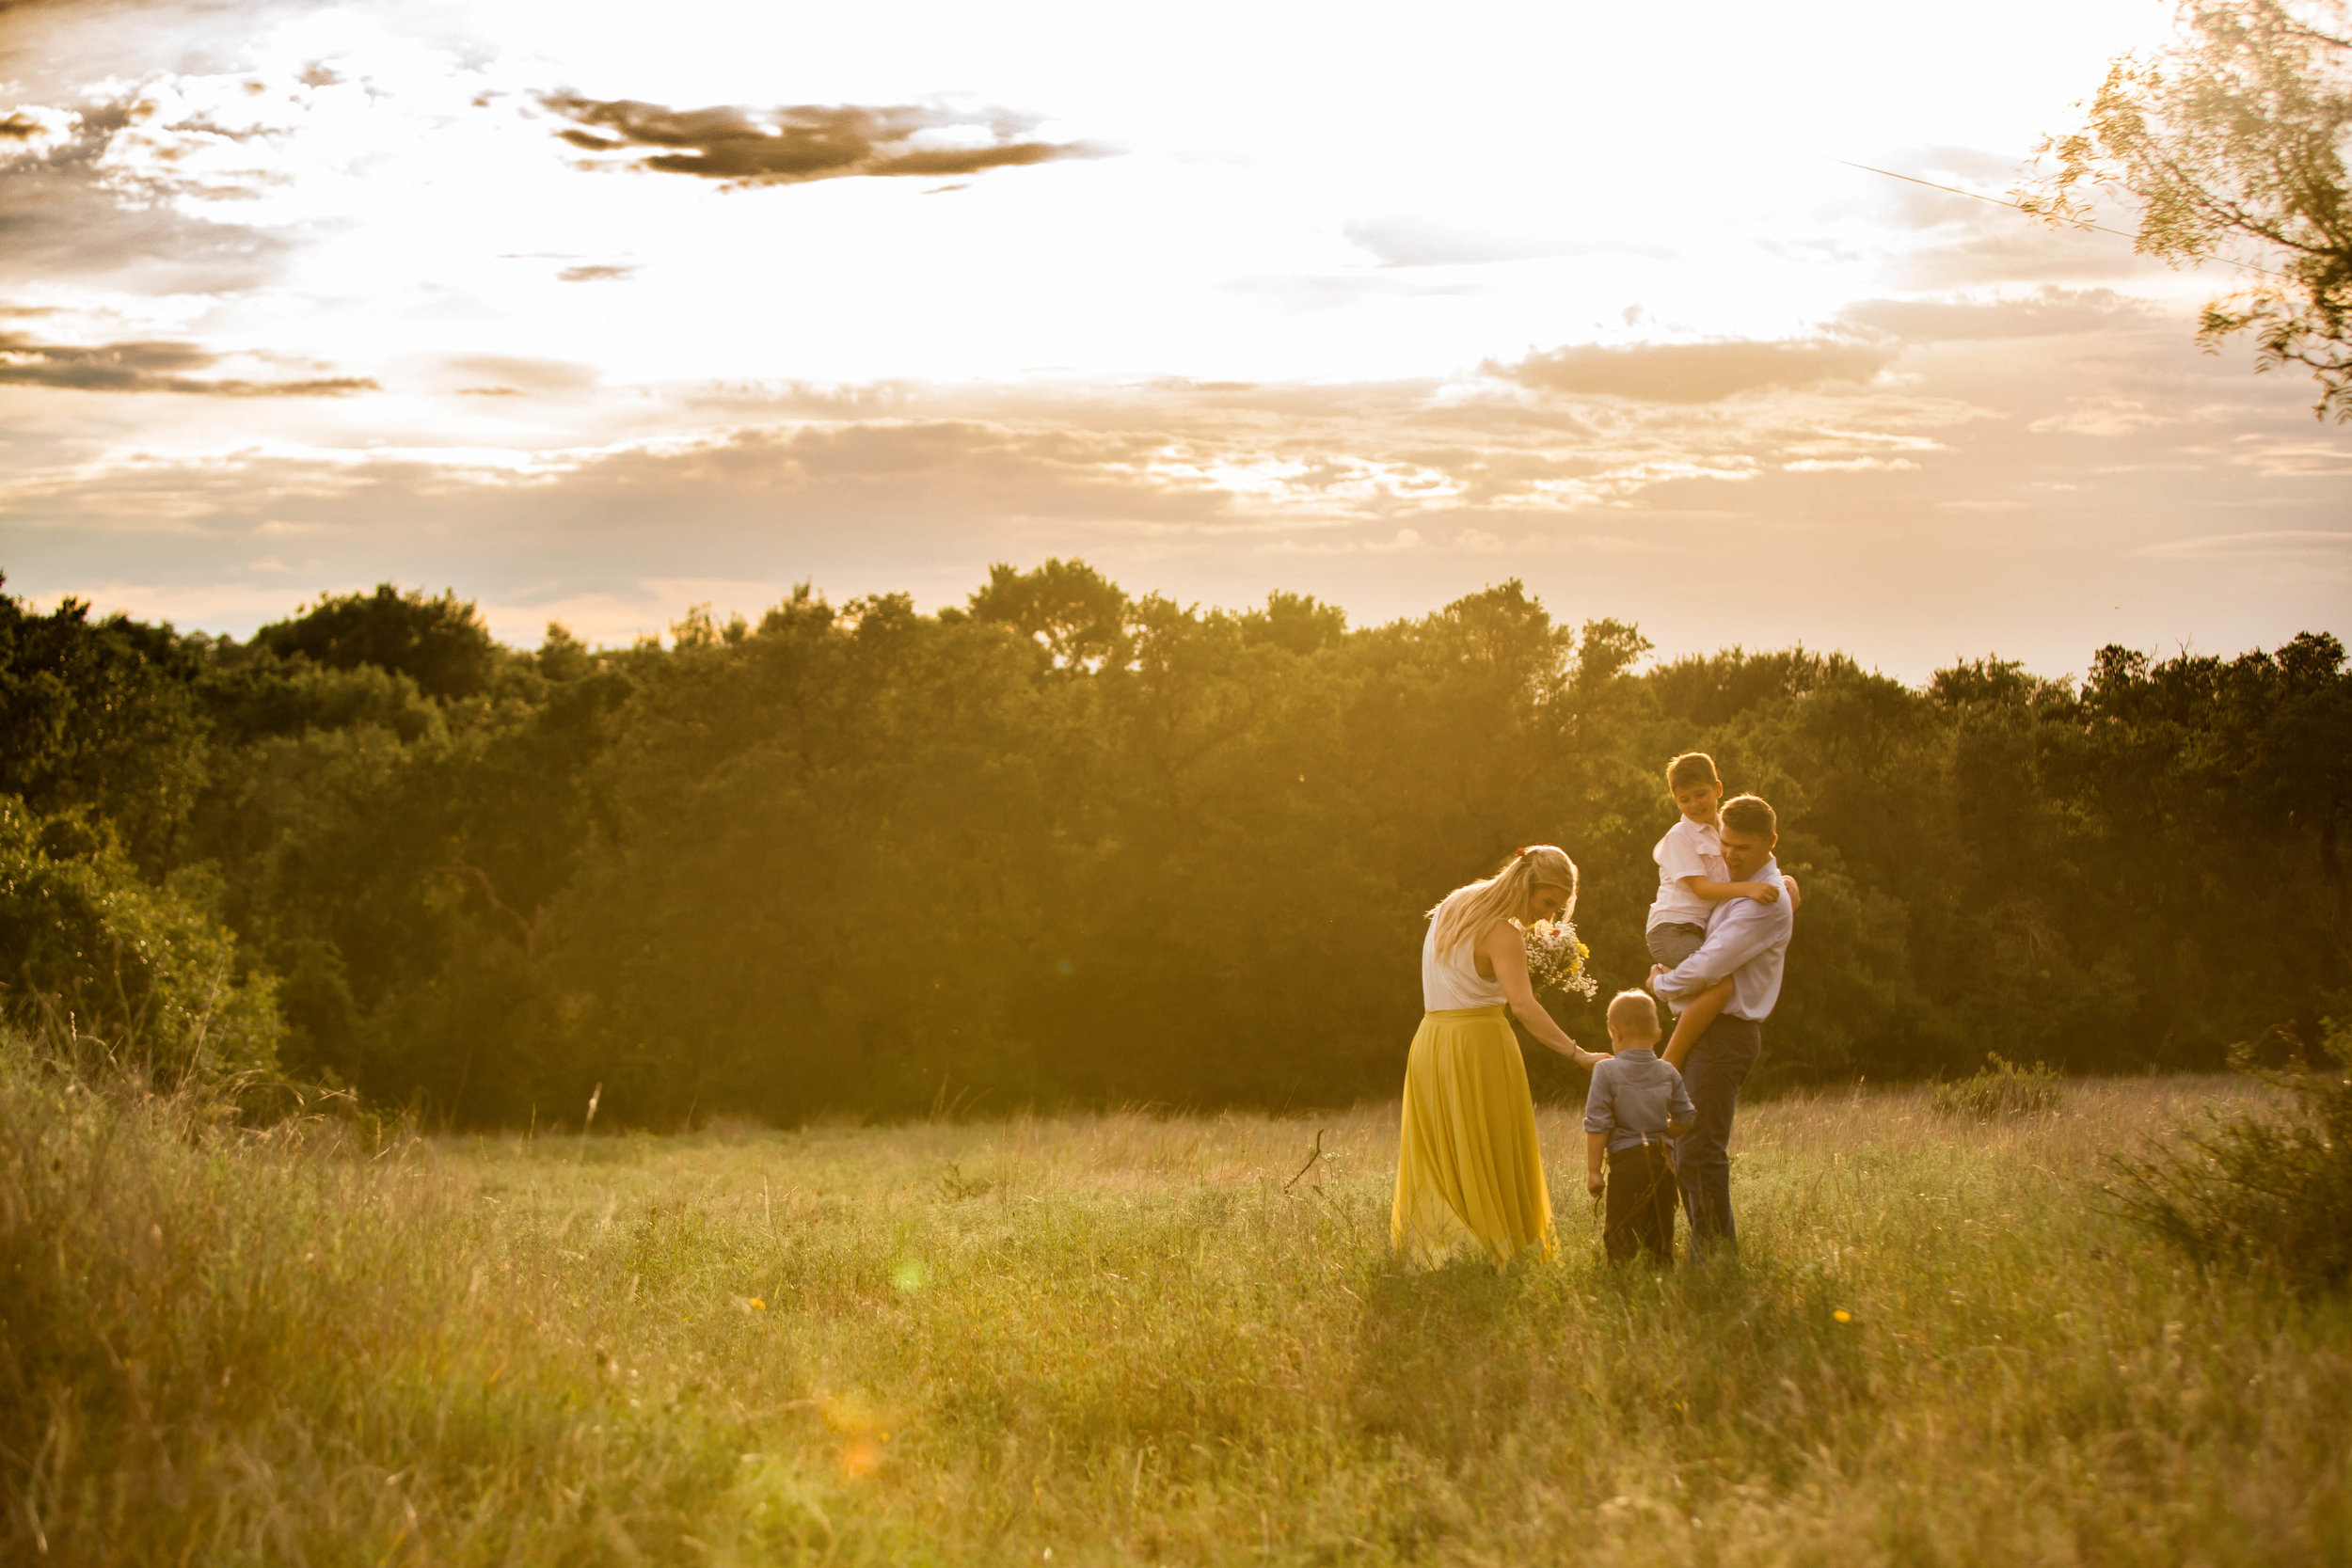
1673 941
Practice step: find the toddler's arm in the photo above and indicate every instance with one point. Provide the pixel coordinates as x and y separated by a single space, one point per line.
1717 892
1595 1147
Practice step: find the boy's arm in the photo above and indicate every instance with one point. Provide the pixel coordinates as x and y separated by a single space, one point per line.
1717 893
1600 1119
1681 1114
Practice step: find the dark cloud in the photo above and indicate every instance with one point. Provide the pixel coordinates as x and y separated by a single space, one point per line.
1696 373
145 367
61 217
795 145
2046 313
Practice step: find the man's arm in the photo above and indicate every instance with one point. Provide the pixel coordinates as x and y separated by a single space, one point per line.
1741 931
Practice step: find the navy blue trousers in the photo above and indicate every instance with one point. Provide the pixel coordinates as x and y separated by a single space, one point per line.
1713 1072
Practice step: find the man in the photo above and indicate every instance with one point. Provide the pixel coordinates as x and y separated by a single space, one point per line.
1746 940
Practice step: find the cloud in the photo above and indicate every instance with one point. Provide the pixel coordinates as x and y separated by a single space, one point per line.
798 144
1416 242
1696 373
596 274
2048 313
2265 543
145 367
2101 416
509 373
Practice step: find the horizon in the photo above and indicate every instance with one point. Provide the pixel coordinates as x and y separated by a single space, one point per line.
1657 658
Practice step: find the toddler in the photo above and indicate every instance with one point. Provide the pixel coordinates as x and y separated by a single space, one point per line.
1635 1104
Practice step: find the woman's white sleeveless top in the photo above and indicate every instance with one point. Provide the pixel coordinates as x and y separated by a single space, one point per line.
1453 981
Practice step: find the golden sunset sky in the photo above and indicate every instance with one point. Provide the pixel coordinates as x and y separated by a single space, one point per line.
598 312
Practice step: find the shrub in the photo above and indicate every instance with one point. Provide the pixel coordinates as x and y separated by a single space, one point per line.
2267 1193
2001 1088
90 951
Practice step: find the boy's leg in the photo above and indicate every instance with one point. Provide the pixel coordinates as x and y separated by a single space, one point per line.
1665 1197
1719 1065
1695 1020
1673 941
1620 1219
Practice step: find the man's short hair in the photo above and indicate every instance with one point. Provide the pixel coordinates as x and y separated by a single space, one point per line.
1691 767
1747 813
1634 1015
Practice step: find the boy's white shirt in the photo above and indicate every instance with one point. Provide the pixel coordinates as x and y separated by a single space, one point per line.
1689 849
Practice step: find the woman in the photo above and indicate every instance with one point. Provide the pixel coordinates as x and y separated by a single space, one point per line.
1468 1158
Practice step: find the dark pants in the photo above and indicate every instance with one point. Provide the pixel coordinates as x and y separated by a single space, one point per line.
1713 1072
1640 1214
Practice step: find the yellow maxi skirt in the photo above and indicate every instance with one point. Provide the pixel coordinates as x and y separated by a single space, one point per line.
1467 1167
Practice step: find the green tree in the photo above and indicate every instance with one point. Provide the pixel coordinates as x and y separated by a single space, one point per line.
2233 143
440 643
103 716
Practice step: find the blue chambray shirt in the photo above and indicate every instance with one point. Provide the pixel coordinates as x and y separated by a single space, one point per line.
1634 1095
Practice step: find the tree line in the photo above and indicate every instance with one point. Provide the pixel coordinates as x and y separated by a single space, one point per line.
1066 846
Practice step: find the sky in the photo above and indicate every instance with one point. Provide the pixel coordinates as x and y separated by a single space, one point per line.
595 313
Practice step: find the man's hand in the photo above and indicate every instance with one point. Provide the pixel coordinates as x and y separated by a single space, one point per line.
1650 985
1796 900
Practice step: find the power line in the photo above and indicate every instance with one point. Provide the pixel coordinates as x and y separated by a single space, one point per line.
2016 207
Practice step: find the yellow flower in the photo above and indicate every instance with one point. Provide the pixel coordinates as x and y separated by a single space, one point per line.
1842 1315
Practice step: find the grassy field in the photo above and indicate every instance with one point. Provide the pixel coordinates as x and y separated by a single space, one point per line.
1120 1339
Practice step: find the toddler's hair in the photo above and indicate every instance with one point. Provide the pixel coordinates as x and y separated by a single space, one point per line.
1747 813
1633 1015
1690 767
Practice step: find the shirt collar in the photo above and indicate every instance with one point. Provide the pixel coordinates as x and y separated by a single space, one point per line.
1642 1051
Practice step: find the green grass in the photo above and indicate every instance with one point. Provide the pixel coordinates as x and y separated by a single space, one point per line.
1120 1339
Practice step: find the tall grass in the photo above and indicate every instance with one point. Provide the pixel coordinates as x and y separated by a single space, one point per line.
1121 1339
2270 1193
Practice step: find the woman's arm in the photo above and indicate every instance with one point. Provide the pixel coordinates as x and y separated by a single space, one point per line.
1506 949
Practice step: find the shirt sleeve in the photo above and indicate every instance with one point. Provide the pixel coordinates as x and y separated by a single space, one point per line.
1681 1113
1677 856
1601 1101
1742 930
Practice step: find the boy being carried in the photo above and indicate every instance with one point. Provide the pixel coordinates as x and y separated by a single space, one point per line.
1636 1103
1692 880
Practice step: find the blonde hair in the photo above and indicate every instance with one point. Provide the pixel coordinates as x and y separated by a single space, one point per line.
1634 1015
1466 911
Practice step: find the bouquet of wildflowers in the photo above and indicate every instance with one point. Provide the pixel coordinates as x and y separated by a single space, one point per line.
1556 960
